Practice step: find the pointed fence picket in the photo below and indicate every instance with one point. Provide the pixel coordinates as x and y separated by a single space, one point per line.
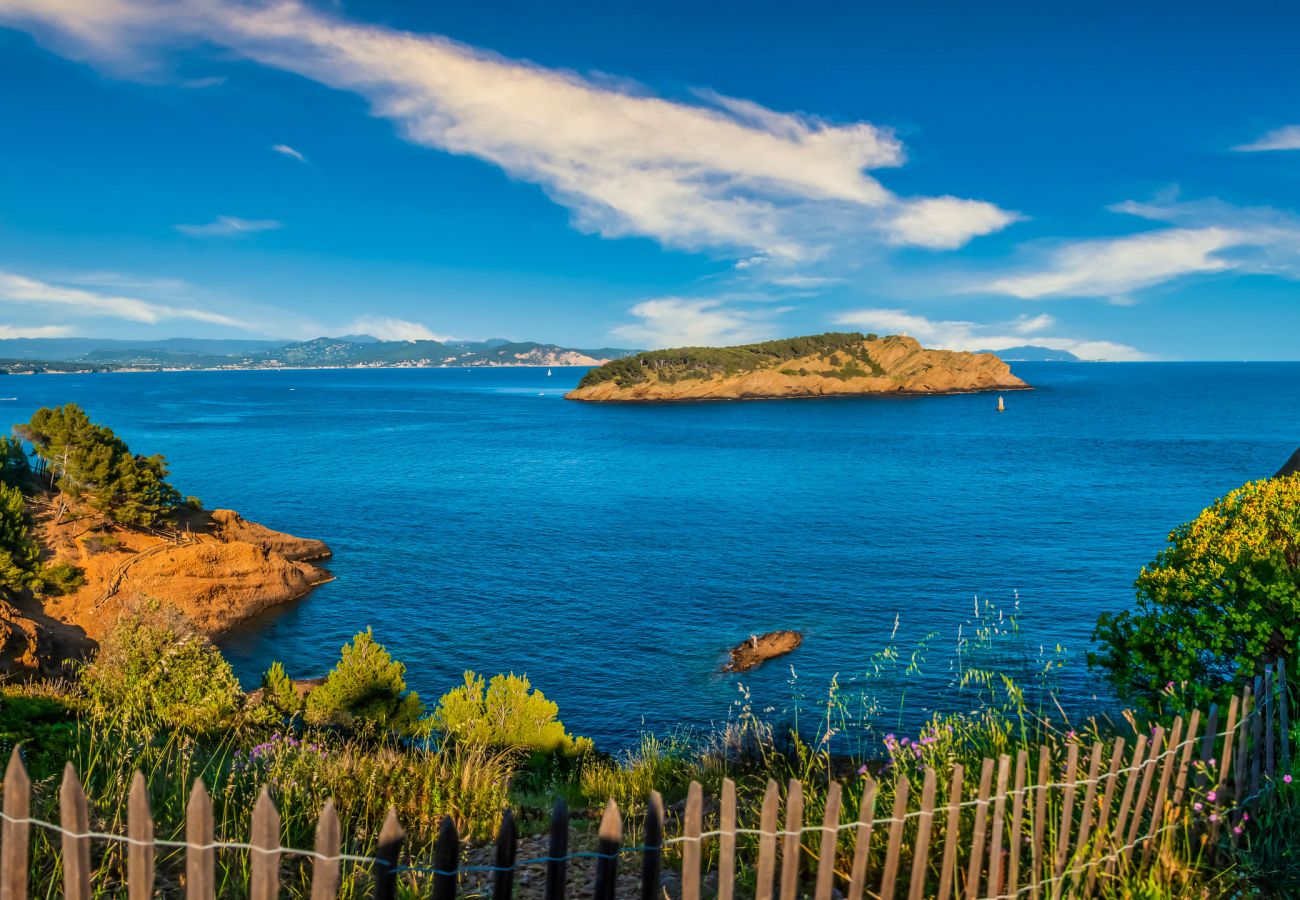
1073 815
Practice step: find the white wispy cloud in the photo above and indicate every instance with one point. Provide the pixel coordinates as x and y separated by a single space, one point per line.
718 173
965 335
694 322
80 301
286 150
1285 138
1116 266
34 331
389 329
1202 237
230 226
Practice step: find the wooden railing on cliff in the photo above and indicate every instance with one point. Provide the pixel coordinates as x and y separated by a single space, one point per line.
1032 825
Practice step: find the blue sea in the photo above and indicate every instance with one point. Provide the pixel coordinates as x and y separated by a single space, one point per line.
613 553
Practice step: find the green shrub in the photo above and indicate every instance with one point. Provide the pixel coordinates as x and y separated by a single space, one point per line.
62 577
1216 604
152 666
366 691
506 712
279 693
19 555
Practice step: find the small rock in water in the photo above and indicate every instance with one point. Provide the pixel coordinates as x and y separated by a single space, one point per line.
762 647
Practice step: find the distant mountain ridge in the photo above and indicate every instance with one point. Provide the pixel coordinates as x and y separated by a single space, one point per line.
350 351
1033 353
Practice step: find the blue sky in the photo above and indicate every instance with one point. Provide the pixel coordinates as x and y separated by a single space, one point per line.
1121 180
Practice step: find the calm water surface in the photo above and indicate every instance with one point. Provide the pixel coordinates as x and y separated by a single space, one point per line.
614 552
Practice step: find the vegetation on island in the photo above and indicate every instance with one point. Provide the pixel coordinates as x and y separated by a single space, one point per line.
850 360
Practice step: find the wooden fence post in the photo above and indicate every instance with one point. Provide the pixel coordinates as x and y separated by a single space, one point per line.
557 851
767 843
829 843
1158 808
200 856
388 852
1207 746
951 833
446 861
140 872
609 839
652 859
264 857
1148 772
1284 715
325 866
975 866
503 879
1270 703
74 821
1089 803
1103 814
1257 737
1066 828
791 849
14 853
1189 742
727 841
691 849
921 848
1040 819
1130 787
999 813
1017 824
890 875
862 841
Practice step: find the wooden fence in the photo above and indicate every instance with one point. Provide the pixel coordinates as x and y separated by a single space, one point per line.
1032 825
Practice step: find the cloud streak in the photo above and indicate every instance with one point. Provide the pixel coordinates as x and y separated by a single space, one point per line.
390 329
718 174
1285 138
693 322
286 150
230 226
965 335
22 290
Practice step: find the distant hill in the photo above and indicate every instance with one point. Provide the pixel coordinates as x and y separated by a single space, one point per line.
358 351
820 365
1033 353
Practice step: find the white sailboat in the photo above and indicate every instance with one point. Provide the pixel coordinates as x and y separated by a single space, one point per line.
548 372
1002 407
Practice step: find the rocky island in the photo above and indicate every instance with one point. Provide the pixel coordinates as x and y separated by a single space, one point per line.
824 365
92 531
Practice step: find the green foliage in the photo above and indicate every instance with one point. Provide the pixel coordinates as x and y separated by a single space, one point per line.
1216 604
93 464
15 471
706 362
366 691
279 693
43 719
62 577
153 668
19 555
506 712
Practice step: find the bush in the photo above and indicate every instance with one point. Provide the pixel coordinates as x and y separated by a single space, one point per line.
504 713
152 666
366 691
279 693
1216 604
62 577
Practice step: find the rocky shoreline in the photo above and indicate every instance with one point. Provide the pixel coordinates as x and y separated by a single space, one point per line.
216 568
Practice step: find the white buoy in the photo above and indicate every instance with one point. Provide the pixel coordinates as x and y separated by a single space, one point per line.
1002 407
